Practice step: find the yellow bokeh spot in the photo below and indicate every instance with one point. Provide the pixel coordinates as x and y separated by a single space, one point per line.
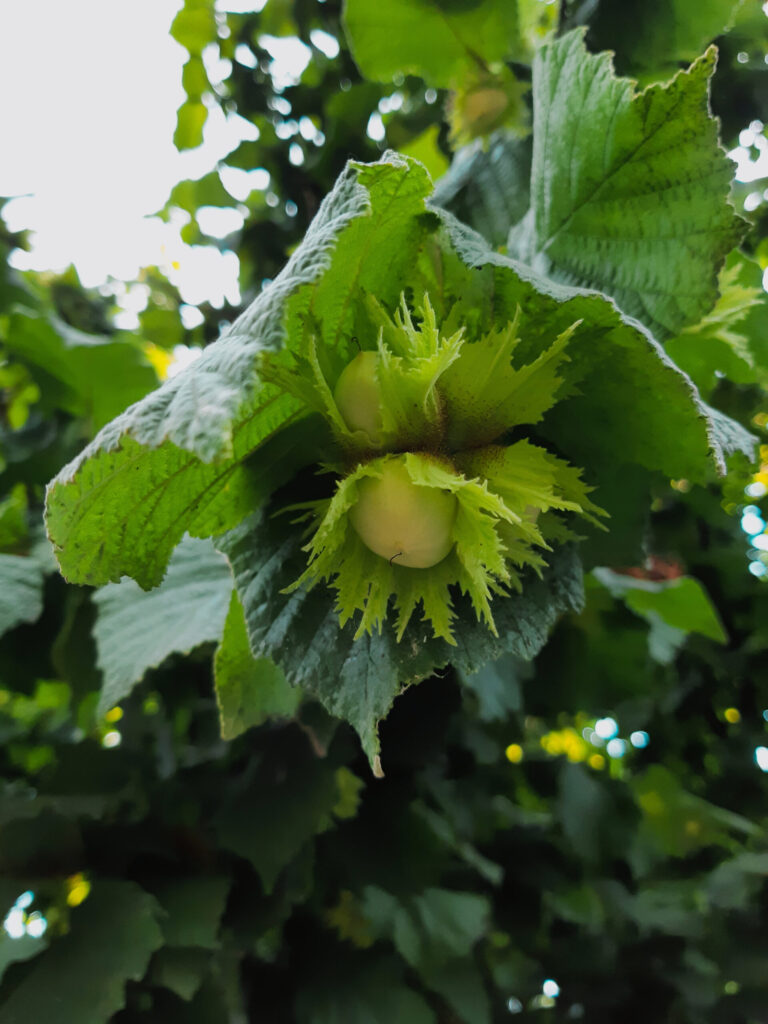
692 827
683 486
78 888
568 742
597 761
552 742
159 358
114 715
514 753
732 715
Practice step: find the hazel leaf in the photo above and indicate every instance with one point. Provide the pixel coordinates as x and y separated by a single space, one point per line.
629 189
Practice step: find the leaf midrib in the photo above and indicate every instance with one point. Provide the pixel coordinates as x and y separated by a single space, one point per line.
614 169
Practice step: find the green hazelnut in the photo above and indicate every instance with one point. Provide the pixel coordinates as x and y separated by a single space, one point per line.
358 396
404 522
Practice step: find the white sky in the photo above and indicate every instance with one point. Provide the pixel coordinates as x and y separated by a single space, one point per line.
91 90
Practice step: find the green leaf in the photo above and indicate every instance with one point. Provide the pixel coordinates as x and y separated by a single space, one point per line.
249 690
460 984
136 631
681 603
180 970
20 393
665 426
21 591
97 375
179 460
725 341
14 529
349 787
630 190
194 907
194 78
425 149
81 976
16 950
194 26
652 36
163 326
358 679
121 508
664 642
497 687
582 905
677 822
735 883
191 194
437 41
429 929
271 819
364 990
488 186
673 908
584 808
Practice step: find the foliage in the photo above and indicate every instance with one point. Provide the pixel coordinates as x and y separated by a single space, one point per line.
194 825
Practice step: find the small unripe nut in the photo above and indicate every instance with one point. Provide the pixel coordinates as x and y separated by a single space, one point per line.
404 522
358 396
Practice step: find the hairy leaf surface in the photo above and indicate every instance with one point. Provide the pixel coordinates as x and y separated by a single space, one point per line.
663 426
630 190
177 461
